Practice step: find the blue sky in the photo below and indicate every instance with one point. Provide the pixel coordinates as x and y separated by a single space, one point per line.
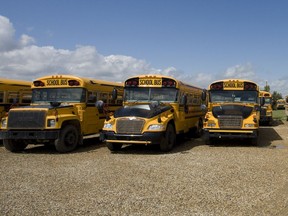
197 41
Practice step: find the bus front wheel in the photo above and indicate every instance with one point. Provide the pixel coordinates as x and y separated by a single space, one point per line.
14 145
169 139
114 146
68 139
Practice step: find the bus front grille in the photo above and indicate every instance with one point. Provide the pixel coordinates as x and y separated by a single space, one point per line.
129 126
28 119
233 122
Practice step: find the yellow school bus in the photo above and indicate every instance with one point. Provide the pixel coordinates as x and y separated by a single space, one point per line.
266 110
156 108
280 104
286 107
62 112
13 93
233 110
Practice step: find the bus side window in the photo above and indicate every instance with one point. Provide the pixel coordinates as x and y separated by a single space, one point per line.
195 100
104 97
92 98
13 97
1 97
26 98
119 100
111 101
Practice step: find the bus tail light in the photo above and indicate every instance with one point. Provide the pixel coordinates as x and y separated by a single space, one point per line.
38 83
73 83
250 86
168 83
217 86
131 83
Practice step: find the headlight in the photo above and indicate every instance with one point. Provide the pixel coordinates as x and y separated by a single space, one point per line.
107 126
51 123
156 127
4 123
211 124
249 125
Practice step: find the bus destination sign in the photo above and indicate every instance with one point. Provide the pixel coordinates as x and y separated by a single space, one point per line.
150 82
57 82
233 85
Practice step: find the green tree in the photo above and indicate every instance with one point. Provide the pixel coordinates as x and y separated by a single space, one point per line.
267 88
276 95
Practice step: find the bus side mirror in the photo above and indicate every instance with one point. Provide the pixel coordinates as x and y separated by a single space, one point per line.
100 106
114 94
204 107
262 101
204 94
184 100
286 99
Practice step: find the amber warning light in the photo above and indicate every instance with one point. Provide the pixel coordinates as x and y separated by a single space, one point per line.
38 83
168 83
217 86
131 83
73 83
250 86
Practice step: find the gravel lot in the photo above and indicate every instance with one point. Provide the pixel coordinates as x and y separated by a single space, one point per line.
229 178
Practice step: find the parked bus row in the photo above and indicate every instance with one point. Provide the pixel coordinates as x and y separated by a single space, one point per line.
13 93
145 109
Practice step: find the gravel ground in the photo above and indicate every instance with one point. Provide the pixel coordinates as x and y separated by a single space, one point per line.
229 178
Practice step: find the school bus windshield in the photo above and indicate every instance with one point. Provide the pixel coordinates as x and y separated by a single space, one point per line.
234 96
75 95
151 94
268 101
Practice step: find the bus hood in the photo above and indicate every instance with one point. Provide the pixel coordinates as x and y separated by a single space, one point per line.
44 106
142 110
232 110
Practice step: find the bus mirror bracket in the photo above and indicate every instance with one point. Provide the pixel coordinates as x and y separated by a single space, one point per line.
262 101
203 94
114 94
184 100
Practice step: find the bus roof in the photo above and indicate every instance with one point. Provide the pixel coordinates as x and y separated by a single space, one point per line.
86 81
265 93
163 76
15 82
227 80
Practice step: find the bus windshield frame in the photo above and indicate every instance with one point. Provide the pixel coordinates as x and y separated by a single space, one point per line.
68 95
150 94
233 96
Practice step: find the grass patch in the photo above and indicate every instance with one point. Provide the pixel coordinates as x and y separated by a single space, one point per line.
279 115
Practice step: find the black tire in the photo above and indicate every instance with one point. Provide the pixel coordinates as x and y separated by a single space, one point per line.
255 141
169 139
199 129
68 139
114 146
14 145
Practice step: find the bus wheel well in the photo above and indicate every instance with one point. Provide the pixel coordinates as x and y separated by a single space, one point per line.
72 122
169 138
172 123
77 124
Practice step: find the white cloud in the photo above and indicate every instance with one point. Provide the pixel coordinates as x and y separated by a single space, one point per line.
240 71
23 59
6 34
279 85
